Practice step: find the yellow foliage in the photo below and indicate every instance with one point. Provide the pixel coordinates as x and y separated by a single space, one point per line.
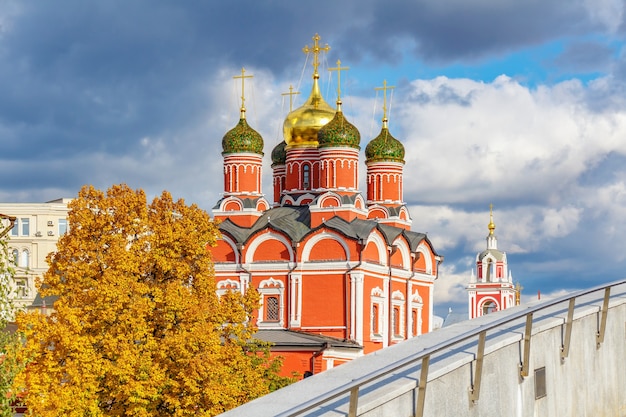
137 328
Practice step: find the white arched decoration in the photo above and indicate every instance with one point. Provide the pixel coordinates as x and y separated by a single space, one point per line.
271 311
231 200
327 197
405 251
308 247
226 239
424 252
377 207
397 315
488 270
307 196
415 316
258 240
381 245
226 285
488 301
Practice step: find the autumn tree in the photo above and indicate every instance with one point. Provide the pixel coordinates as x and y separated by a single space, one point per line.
137 328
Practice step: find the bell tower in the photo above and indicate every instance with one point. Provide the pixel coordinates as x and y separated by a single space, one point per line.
491 284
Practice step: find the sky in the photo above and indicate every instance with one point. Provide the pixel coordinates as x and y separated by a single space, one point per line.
519 104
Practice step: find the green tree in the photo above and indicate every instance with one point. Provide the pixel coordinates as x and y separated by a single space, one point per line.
137 328
9 341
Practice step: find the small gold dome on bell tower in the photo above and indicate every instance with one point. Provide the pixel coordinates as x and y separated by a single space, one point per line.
302 124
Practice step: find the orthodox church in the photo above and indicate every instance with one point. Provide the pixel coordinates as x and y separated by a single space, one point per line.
340 274
491 287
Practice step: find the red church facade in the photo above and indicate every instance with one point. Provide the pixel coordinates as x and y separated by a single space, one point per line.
491 288
339 274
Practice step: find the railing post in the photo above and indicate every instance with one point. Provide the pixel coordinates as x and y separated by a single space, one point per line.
421 389
480 354
526 359
354 401
605 311
568 329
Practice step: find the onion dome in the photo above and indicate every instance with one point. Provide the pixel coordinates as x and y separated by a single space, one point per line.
384 147
279 154
339 132
301 125
242 138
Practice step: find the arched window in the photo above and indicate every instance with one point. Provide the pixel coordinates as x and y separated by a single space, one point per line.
489 307
24 261
306 177
15 256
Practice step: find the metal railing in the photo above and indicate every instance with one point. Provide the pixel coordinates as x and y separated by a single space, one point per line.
352 388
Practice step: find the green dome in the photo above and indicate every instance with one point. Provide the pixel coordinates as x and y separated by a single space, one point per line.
339 132
279 154
384 147
242 138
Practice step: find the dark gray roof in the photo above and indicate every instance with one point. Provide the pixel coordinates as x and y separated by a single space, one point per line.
453 318
499 255
293 339
295 222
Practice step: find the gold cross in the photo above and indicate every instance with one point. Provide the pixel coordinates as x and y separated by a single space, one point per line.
339 68
518 293
291 93
385 87
316 51
243 77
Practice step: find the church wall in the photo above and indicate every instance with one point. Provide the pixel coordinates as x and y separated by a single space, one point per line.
271 250
327 250
294 361
323 306
222 252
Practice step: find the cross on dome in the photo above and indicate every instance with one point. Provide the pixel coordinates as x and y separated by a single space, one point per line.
291 93
339 68
316 49
243 97
384 89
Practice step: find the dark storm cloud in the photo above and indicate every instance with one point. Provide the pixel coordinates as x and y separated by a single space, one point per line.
585 57
89 81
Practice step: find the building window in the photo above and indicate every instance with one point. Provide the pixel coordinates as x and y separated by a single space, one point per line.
21 287
377 314
306 177
397 315
417 305
25 226
16 228
395 322
271 308
24 259
62 227
15 256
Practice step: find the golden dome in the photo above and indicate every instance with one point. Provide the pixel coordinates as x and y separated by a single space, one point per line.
302 124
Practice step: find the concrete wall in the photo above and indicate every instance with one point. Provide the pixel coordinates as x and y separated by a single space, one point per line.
591 381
